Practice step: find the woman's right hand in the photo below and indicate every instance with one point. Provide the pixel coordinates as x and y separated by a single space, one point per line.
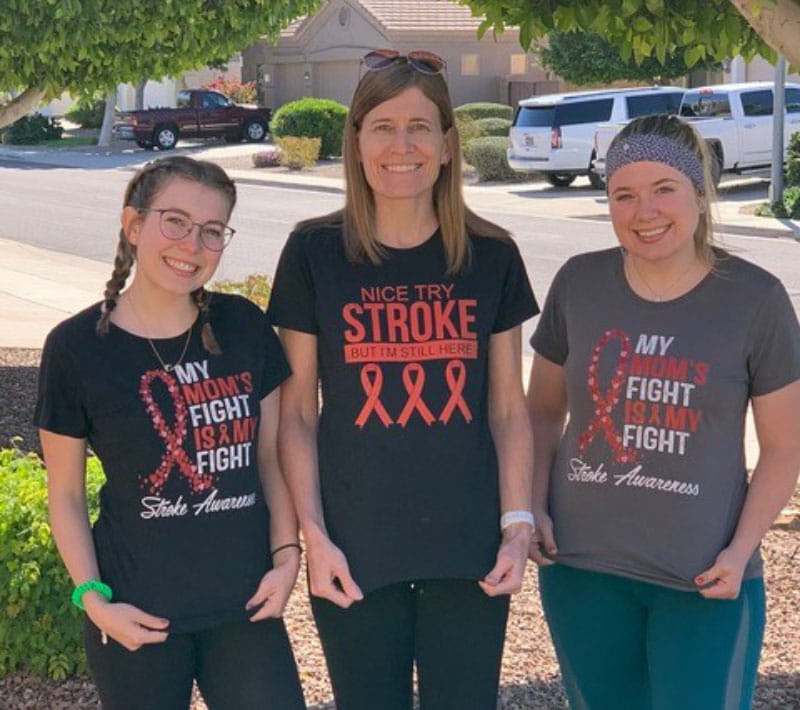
328 573
126 624
543 544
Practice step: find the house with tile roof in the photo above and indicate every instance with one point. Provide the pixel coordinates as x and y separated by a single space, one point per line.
319 55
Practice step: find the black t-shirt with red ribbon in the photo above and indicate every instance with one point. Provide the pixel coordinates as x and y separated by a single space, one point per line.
407 465
183 530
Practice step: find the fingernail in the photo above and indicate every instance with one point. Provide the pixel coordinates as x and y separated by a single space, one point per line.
701 580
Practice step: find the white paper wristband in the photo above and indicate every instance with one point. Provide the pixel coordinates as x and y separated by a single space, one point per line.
516 516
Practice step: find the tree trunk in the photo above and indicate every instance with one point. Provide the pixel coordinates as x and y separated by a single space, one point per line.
778 24
104 139
20 106
140 94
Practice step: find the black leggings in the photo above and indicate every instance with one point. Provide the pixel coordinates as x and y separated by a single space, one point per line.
238 666
451 629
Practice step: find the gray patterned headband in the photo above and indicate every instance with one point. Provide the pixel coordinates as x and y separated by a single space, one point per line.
660 149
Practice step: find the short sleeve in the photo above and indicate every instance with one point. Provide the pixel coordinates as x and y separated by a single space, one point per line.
59 406
517 302
292 301
276 367
773 359
550 337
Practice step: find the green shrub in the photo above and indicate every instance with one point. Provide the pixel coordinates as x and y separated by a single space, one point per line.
30 130
40 630
467 130
298 153
791 201
312 118
484 109
488 156
88 115
493 126
793 161
256 287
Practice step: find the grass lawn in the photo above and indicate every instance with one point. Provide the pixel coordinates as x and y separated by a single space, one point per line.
70 141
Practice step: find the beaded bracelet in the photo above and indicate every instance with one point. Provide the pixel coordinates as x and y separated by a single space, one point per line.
92 585
283 547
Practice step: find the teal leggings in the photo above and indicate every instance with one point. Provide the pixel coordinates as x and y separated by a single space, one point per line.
629 645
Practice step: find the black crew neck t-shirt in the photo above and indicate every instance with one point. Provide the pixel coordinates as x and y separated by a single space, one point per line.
183 530
407 466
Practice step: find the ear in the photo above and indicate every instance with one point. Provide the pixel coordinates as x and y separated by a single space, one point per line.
131 223
449 142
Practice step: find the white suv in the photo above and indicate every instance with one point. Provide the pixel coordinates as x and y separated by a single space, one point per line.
554 134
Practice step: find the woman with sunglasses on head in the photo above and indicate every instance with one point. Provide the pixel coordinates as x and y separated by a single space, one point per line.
654 349
191 561
407 307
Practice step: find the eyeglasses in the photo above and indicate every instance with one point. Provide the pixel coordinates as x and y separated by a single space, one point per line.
419 59
177 225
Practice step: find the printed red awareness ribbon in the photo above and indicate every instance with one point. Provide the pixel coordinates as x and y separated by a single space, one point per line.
456 376
175 455
414 382
372 388
604 405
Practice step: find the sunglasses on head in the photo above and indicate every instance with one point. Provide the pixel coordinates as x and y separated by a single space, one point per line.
419 59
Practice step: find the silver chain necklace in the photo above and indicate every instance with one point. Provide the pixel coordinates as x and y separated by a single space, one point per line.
168 367
657 297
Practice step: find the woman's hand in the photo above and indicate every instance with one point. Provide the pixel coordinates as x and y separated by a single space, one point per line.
276 585
723 579
126 624
507 573
543 546
328 573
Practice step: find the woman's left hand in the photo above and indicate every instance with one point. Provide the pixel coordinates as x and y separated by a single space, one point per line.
275 586
723 579
506 575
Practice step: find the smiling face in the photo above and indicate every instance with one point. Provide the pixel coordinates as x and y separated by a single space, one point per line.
655 211
176 266
402 147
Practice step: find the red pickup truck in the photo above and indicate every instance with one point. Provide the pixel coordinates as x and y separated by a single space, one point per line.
199 114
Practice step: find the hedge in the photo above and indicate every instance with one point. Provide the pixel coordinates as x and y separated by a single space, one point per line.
312 118
488 156
484 109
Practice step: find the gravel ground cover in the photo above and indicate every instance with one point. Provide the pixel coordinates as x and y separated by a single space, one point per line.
530 678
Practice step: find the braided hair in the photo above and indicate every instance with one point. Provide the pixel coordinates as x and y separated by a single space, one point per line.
140 193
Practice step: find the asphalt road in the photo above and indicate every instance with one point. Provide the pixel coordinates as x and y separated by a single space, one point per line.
77 211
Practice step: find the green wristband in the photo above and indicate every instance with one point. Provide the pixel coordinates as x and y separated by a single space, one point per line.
93 585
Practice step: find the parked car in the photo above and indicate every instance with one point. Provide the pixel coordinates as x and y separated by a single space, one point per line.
199 114
554 134
734 119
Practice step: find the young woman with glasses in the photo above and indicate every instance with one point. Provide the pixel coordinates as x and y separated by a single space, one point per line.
188 568
412 485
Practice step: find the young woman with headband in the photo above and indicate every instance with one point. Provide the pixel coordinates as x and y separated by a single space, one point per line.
647 528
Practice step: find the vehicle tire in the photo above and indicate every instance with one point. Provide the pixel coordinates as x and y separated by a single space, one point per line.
597 180
254 131
560 179
165 136
147 145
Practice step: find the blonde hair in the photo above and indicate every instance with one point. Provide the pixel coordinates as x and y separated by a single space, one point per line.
357 219
140 193
681 132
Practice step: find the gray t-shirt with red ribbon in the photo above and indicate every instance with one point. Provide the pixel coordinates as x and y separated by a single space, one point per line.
649 479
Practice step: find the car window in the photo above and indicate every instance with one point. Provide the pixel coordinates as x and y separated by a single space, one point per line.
646 104
534 116
214 101
594 111
184 100
706 104
792 100
757 103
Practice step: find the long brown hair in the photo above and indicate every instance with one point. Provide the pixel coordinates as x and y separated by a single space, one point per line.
456 220
140 193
